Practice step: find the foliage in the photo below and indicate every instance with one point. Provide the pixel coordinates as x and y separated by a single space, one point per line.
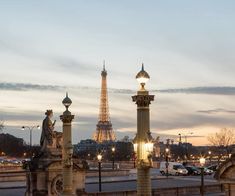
1 125
124 151
13 146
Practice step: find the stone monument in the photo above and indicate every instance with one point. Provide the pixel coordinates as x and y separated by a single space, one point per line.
45 170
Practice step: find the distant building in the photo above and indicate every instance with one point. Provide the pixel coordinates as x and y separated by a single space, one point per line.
86 146
104 130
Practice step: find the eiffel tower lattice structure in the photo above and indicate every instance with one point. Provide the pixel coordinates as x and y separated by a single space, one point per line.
104 130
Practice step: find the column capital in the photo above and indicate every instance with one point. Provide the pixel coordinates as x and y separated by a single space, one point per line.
143 100
66 118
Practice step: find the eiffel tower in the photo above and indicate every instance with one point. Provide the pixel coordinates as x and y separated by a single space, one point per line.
104 130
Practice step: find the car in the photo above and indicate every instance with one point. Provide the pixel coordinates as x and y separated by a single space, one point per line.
174 168
213 167
15 161
192 170
1 160
208 171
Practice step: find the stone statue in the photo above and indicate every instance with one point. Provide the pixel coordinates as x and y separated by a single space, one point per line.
51 140
47 129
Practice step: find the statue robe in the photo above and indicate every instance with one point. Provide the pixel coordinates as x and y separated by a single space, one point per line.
47 131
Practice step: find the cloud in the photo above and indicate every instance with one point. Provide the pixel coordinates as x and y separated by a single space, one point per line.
217 111
202 90
191 120
25 87
194 90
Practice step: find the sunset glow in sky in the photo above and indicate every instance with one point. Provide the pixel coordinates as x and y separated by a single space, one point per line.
50 47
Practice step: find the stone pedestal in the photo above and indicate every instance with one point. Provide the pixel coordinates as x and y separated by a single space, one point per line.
44 176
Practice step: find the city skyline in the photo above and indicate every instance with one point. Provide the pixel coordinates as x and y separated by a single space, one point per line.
186 49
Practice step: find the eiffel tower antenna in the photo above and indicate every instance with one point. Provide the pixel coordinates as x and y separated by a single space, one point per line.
103 65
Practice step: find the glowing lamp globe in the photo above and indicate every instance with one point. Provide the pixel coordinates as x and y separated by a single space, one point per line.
135 147
202 161
167 150
142 77
135 143
149 147
99 157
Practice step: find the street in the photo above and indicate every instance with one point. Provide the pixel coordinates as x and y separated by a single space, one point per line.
118 183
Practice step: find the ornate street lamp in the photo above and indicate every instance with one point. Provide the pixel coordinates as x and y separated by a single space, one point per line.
113 153
167 150
99 157
149 143
202 161
143 143
209 152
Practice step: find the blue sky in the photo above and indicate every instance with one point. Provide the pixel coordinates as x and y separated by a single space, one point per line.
184 44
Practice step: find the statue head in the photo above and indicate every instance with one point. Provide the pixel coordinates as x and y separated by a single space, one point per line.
49 113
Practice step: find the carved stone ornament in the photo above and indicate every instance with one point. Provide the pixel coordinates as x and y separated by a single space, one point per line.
66 118
57 185
68 161
143 100
142 164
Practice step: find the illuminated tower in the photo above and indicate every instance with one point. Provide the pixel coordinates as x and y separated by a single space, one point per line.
104 129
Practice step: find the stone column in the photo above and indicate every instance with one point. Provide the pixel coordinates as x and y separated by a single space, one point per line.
67 149
143 99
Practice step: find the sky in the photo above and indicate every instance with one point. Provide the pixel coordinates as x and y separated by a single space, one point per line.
50 47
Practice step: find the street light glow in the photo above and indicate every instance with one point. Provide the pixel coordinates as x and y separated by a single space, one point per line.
202 161
167 150
99 157
149 146
135 147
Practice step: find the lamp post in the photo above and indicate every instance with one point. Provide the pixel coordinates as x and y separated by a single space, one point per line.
143 139
167 161
209 152
186 143
30 132
202 161
180 139
30 128
113 153
99 157
67 148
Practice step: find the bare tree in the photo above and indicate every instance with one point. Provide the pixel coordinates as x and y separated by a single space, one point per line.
224 138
